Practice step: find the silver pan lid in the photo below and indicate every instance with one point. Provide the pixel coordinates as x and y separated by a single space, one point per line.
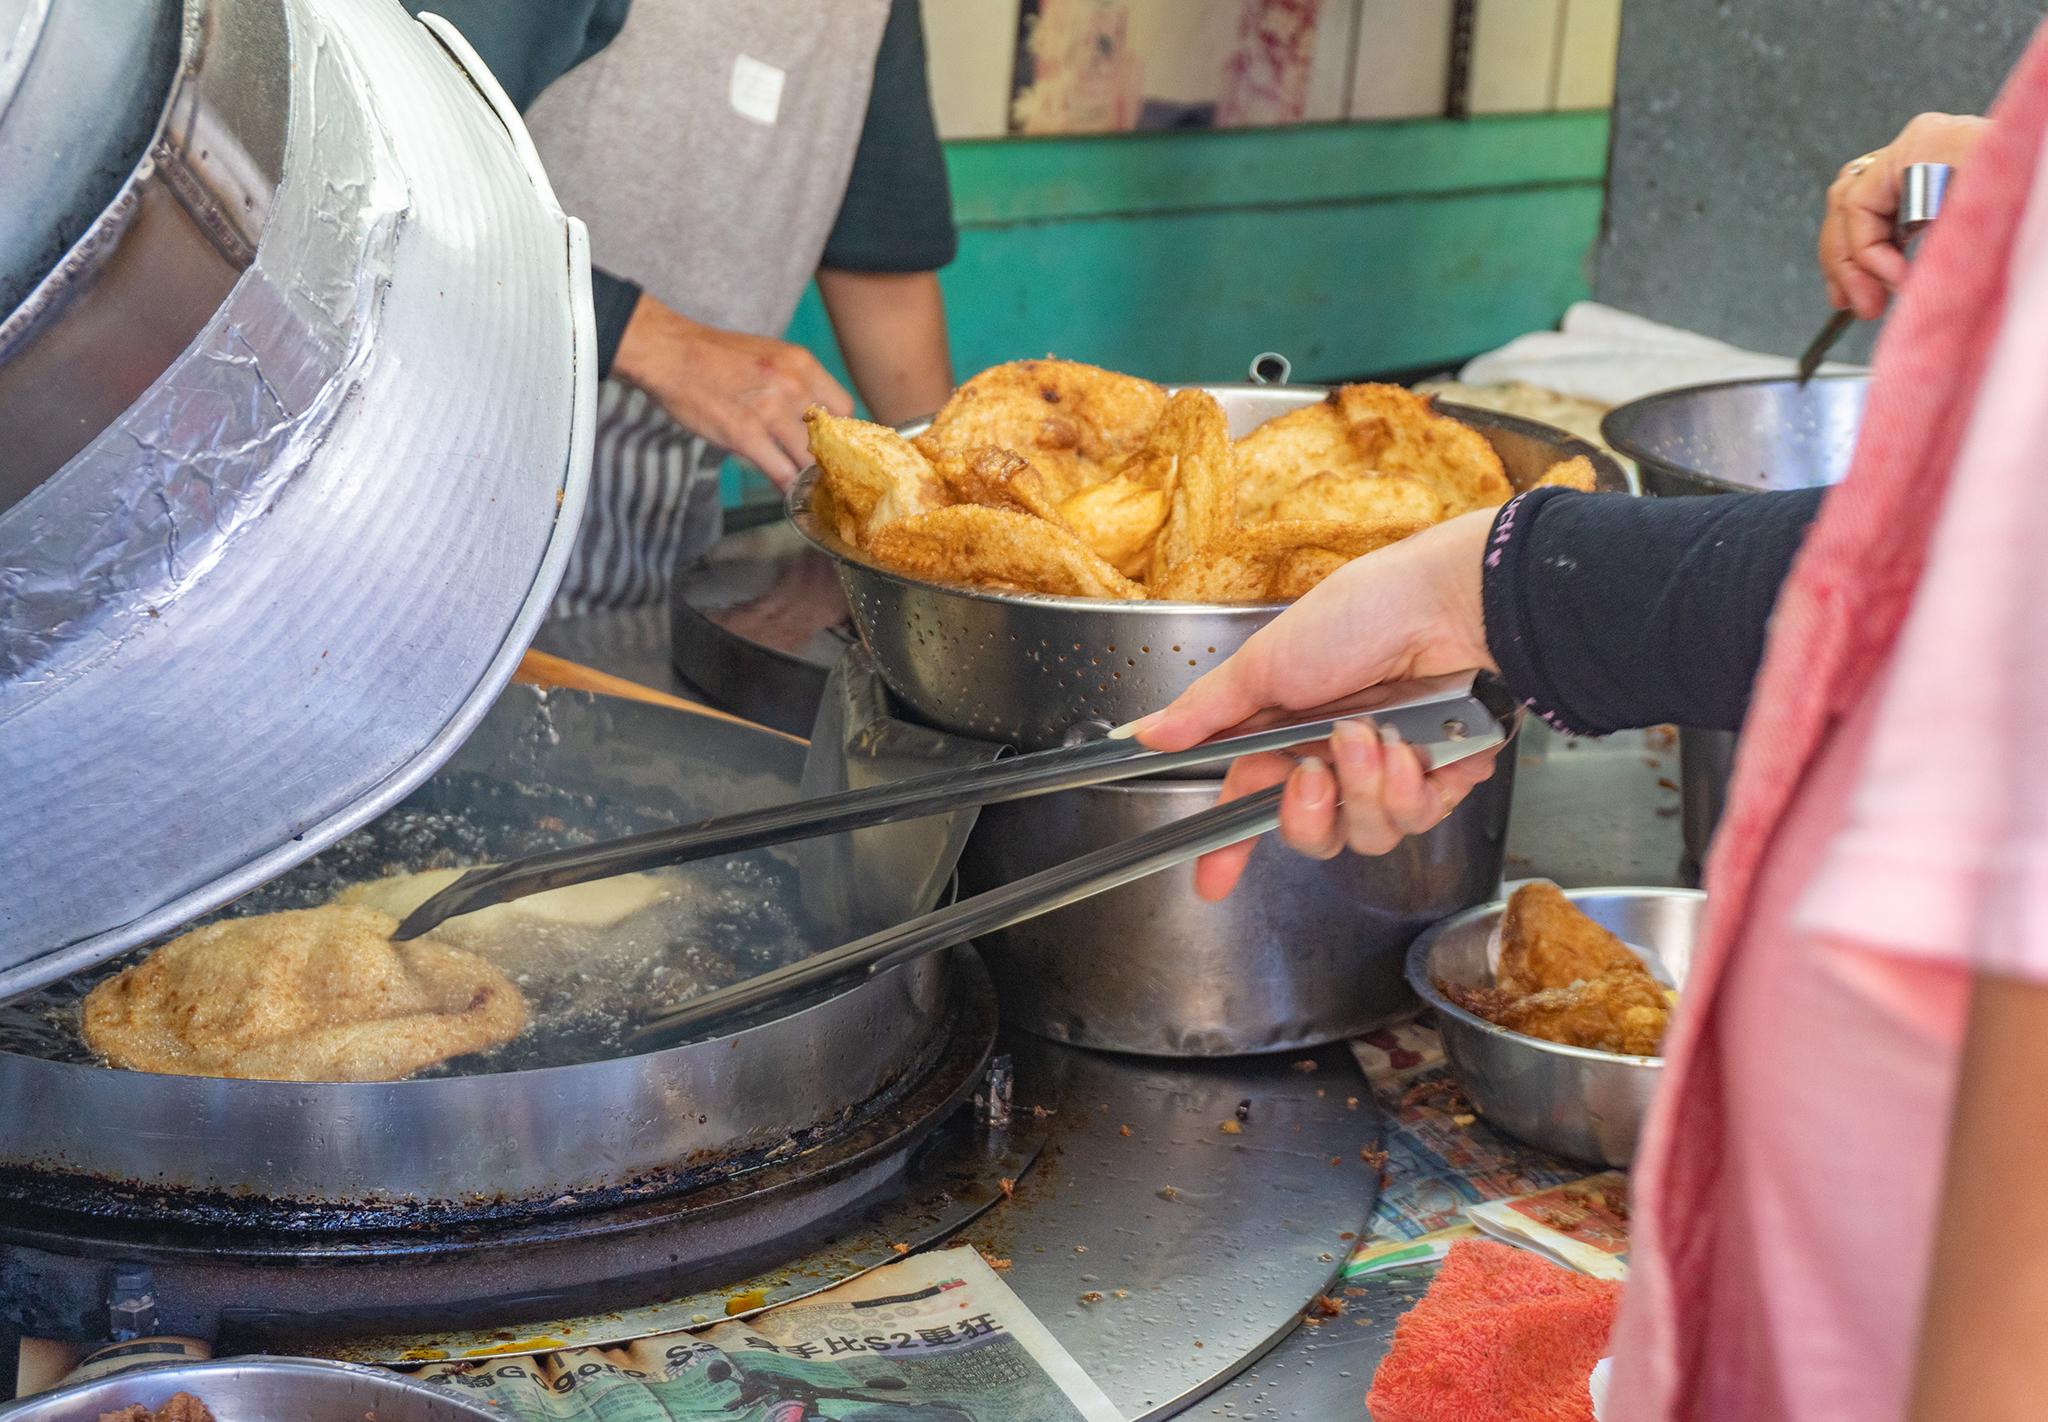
276 592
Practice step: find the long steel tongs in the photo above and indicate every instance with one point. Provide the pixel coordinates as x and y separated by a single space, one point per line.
1447 718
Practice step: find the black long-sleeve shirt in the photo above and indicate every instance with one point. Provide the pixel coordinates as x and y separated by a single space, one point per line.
1605 613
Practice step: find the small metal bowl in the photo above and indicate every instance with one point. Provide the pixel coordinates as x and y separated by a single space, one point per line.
259 1390
1571 1101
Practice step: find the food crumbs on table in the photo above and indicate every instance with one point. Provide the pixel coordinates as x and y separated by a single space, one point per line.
1327 1257
1168 1192
1372 1155
1039 1113
1200 1344
746 1303
999 1265
1080 1249
1351 1103
1230 1128
1093 1296
1327 1307
1305 1067
900 1248
1320 1093
1336 1159
1007 1186
1120 1293
1354 1293
1461 1119
1346 1234
1124 1131
1244 1109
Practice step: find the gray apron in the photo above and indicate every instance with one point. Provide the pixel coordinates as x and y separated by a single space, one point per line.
708 149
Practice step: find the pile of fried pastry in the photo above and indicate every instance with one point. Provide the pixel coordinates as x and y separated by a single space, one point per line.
1048 476
1564 978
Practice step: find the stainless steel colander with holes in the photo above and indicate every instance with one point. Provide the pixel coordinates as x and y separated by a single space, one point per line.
1026 668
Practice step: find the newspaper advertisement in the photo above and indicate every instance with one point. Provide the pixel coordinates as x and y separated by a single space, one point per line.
1441 1158
1582 1225
935 1337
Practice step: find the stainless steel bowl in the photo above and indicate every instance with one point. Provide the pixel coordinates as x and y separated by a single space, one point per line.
1306 951
1023 668
259 1390
1570 1101
1741 436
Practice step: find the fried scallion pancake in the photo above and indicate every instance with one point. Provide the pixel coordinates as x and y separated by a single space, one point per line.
318 994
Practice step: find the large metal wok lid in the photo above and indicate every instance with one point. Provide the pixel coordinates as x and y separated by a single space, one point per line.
269 594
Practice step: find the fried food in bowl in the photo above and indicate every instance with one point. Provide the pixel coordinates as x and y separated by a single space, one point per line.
1063 479
1552 1008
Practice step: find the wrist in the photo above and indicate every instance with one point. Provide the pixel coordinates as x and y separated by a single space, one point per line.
1462 613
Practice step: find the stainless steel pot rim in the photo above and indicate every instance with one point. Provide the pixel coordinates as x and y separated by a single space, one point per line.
798 507
317 1370
1425 988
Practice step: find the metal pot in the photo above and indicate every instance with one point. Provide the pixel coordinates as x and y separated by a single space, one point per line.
1571 1101
1024 668
252 1389
1738 437
1305 951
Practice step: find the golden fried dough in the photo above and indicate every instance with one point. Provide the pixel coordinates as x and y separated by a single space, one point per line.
1574 473
875 476
601 903
1119 518
1547 942
1359 496
1564 978
310 995
998 548
1274 561
1072 421
1401 433
1276 457
1619 1011
1201 488
997 479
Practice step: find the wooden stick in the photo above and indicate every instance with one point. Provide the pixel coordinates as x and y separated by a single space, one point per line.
544 669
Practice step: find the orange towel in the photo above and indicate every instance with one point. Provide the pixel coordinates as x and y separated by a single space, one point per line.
1501 1336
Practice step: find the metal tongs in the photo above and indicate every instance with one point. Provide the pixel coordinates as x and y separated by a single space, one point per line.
1446 719
1926 184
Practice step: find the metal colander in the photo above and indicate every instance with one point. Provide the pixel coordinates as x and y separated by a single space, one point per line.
1026 668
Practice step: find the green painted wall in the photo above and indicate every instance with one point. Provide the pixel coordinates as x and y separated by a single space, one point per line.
1348 248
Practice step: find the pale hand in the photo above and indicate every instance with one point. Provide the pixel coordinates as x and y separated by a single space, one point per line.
1410 610
1859 260
743 393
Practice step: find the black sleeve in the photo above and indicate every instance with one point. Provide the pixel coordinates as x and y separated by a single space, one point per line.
897 215
1605 612
530 43
614 298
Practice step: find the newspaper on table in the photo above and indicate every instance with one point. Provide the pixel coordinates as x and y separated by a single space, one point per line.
1441 1159
935 1337
1582 1225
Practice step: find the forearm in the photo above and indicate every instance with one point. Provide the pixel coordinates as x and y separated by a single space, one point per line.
892 331
1606 612
1980 1356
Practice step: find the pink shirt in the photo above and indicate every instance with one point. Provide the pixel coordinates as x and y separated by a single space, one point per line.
1887 837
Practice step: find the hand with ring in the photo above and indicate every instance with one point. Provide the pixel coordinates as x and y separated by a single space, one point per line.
1410 610
1859 261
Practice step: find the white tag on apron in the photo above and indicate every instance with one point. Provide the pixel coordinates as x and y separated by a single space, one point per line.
756 89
